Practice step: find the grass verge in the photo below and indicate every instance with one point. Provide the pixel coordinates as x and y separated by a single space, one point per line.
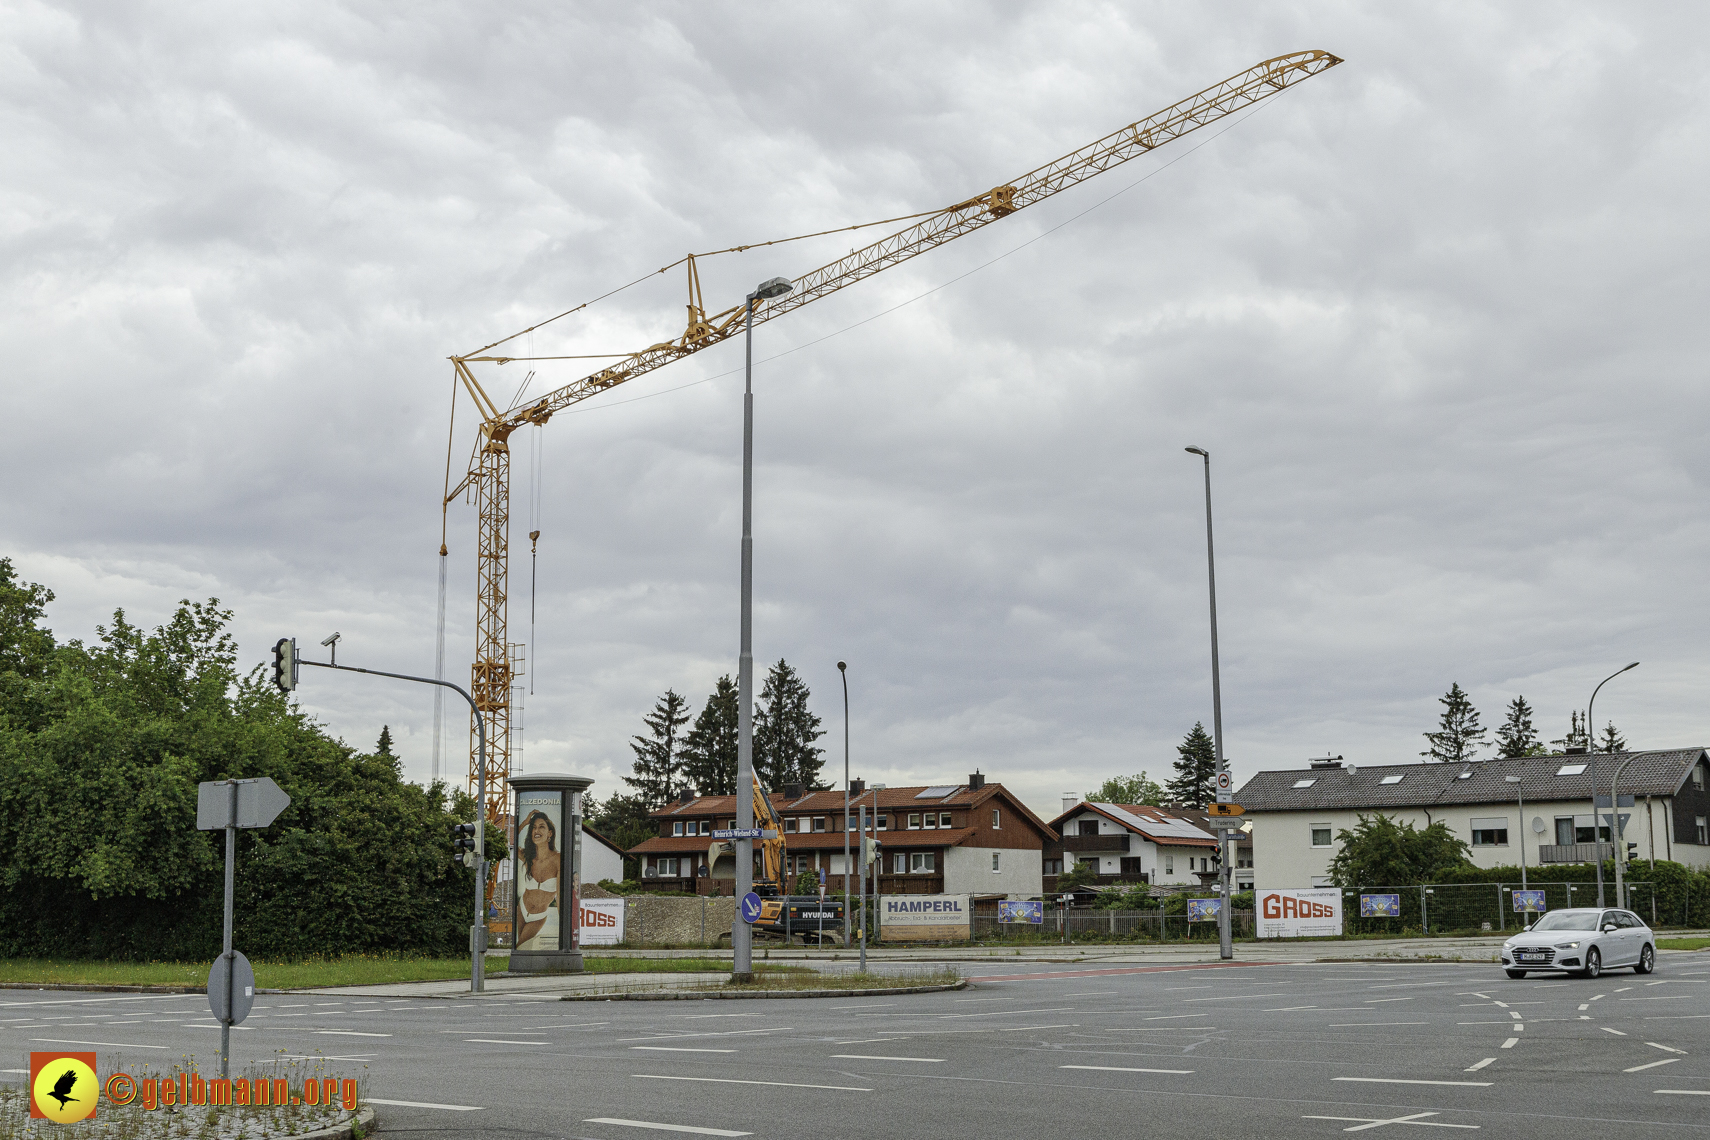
1683 943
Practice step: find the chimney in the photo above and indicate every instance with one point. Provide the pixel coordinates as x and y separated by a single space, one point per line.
1070 799
1327 762
857 788
686 796
793 792
976 781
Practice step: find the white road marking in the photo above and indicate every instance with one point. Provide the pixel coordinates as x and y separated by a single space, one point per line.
1118 1069
1652 1065
1666 1048
871 1057
663 1127
1599 997
721 1033
1374 1001
1667 1092
1371 1122
107 1044
883 1005
704 1016
1511 1042
1025 1028
1358 1024
1584 1006
732 1081
1174 1016
1479 1065
1404 1081
501 1041
993 998
678 1049
1093 993
1007 1012
424 1104
1616 1032
354 1033
1170 1029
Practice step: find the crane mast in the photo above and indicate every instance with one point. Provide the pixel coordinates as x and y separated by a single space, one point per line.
498 662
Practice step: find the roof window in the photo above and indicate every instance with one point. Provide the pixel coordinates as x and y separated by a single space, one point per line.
1570 770
1305 783
1467 775
1392 779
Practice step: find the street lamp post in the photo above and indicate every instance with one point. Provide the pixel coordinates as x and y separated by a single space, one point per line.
741 934
843 671
1590 744
1225 941
1616 830
1515 780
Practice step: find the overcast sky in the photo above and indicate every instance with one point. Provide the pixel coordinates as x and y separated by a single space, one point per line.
1438 315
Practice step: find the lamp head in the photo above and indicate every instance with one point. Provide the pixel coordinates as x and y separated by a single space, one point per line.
767 290
841 666
1634 665
1198 451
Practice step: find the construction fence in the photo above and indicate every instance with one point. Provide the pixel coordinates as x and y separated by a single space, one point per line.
1443 908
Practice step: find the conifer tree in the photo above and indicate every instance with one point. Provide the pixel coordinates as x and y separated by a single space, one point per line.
1517 737
1458 734
657 759
1611 741
785 730
709 750
1577 736
1195 781
384 746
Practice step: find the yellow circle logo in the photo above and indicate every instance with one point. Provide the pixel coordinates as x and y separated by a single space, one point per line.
66 1090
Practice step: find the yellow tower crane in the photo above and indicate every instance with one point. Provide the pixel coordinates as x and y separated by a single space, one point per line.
497 661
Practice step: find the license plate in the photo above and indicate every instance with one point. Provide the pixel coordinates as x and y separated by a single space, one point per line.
1532 957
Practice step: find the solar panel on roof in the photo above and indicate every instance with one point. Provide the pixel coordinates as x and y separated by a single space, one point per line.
938 793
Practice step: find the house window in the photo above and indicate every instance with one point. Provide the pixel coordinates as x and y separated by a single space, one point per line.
819 823
1321 835
914 821
900 864
943 819
931 820
1130 865
995 855
730 823
1169 864
1702 836
1698 776
790 826
706 827
884 823
1052 867
1570 770
1564 829
995 822
1087 827
1490 832
922 862
677 827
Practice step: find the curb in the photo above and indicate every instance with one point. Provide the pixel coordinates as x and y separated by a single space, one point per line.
364 1119
714 995
105 989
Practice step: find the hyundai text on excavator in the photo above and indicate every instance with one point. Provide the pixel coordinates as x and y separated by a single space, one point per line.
782 915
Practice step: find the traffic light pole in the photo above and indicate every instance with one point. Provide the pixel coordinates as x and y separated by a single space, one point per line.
477 932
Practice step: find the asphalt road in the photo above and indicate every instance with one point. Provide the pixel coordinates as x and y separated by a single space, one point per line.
1031 1049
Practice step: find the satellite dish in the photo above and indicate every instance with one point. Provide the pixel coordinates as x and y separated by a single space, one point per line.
1538 824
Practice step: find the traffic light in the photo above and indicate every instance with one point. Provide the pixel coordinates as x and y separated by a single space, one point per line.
1632 852
869 851
463 843
1217 860
285 664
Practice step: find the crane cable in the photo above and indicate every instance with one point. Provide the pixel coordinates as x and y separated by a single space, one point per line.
439 628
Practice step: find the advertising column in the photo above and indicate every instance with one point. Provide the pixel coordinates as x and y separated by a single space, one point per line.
546 872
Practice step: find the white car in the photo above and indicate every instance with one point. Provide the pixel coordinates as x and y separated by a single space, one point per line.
1584 941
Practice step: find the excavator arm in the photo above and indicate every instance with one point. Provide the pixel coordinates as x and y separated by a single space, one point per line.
721 856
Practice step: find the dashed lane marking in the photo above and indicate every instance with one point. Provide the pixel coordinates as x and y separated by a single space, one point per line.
1475 1068
105 1044
872 1057
1378 1122
619 1121
1510 1043
1407 1081
1652 1065
1655 1092
1119 1069
1666 1048
1616 1032
501 1041
733 1081
678 1049
424 1104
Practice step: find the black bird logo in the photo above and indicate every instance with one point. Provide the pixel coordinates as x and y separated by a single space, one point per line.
62 1087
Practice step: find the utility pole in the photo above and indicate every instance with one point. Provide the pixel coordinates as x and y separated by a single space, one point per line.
843 671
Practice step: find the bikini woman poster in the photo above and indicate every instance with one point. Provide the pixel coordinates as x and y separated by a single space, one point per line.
541 870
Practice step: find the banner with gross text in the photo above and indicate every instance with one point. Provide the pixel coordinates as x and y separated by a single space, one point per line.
602 922
1313 913
924 918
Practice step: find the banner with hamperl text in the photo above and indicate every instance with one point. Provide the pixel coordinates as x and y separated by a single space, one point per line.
924 918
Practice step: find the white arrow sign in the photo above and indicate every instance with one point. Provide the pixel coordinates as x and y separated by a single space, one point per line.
238 803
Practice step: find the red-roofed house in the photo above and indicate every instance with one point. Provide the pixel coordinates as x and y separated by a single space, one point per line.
973 838
1133 843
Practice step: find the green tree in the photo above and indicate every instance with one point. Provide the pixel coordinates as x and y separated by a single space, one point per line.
807 883
657 763
1517 737
25 648
1077 873
1458 733
709 750
1379 852
1611 740
785 730
1137 789
383 747
1195 781
1577 736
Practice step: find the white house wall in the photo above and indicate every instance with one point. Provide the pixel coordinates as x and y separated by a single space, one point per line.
968 870
1285 856
600 862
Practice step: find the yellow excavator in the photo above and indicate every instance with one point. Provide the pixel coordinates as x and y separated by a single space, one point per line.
782 915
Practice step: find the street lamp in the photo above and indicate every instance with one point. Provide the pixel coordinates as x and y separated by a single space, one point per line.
1614 815
741 934
843 671
1225 943
1515 780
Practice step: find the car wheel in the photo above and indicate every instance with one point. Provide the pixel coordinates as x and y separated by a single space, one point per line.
1593 964
1647 961
1516 973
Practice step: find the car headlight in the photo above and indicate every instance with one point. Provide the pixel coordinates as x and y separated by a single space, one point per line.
1573 946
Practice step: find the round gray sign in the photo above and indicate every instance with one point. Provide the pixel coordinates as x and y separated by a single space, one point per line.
234 978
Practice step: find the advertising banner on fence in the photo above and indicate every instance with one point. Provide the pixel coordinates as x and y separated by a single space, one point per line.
602 922
1314 913
1529 902
1203 910
1380 906
1010 911
924 918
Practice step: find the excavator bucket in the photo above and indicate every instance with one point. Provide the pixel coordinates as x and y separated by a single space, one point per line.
721 860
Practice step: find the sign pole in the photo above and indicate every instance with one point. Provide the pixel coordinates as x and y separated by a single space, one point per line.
226 941
863 834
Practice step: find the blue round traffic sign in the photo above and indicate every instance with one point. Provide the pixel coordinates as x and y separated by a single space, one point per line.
750 907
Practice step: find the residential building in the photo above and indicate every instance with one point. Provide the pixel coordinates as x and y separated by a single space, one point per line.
1134 843
974 838
1297 814
601 859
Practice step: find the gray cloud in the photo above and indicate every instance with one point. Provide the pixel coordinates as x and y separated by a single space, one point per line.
1436 313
